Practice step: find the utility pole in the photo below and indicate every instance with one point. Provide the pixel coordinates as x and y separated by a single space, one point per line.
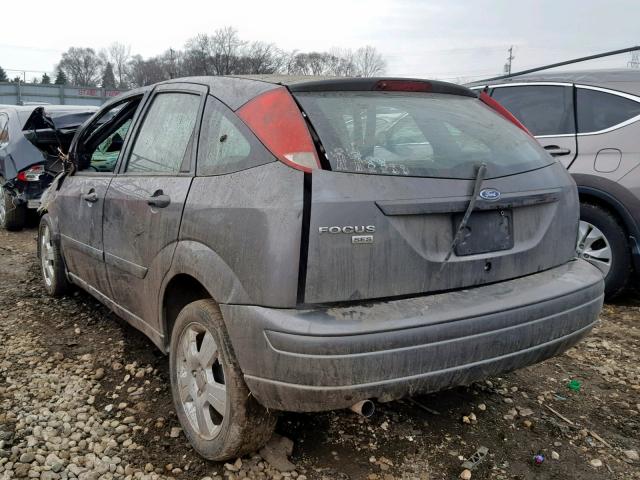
635 60
510 58
172 70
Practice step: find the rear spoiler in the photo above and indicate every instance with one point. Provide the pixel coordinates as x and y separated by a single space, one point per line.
382 84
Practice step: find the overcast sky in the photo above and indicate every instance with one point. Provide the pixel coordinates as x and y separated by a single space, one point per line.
422 38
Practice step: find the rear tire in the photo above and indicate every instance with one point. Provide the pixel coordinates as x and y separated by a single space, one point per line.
12 216
52 268
219 416
603 242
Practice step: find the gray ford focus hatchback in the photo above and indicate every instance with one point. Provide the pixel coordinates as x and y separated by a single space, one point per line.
315 245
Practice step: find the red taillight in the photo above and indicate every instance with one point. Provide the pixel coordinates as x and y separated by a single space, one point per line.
403 86
277 121
495 105
31 174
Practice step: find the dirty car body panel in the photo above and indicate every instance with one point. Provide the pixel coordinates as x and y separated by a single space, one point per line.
323 219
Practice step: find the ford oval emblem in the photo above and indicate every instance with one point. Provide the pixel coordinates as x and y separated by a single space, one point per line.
490 194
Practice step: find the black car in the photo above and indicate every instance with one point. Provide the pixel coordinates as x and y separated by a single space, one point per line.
29 140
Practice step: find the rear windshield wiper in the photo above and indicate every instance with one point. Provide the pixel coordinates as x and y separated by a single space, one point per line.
480 174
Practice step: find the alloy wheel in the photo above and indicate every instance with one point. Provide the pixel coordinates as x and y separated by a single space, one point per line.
3 211
594 247
47 255
201 383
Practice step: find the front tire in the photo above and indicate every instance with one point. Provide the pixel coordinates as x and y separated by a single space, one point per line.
219 416
52 268
602 241
12 216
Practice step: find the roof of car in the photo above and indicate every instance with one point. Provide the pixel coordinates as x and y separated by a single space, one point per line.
623 79
237 90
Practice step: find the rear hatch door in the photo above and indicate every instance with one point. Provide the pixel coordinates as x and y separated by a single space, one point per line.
401 170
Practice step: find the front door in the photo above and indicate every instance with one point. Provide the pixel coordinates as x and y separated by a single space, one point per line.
80 201
547 111
144 204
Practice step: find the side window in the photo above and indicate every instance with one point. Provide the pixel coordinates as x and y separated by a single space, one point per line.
105 156
226 143
600 110
4 129
165 137
102 143
543 109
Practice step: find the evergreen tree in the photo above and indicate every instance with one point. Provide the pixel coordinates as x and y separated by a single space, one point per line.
46 79
61 78
108 77
3 75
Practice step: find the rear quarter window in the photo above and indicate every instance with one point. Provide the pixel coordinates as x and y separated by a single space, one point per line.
418 134
599 110
226 143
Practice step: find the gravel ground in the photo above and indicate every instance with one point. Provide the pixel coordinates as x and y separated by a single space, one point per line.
83 395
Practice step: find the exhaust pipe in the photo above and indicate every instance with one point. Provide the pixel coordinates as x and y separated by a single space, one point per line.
364 408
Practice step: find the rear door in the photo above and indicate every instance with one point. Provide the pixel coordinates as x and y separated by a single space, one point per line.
144 204
547 110
80 201
608 125
404 167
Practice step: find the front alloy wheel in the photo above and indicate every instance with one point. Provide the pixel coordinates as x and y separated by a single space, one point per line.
47 255
54 275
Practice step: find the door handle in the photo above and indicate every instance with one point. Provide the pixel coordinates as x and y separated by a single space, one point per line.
159 200
91 197
556 151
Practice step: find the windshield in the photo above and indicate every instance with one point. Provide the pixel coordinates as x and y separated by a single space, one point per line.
418 134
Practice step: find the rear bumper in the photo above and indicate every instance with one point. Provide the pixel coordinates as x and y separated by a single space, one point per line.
328 358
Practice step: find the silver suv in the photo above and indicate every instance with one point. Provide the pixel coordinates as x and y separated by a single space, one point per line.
311 246
590 121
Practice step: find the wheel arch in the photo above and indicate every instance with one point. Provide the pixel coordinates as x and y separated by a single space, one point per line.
619 201
181 290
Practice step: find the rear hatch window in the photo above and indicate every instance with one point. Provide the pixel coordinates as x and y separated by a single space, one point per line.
418 135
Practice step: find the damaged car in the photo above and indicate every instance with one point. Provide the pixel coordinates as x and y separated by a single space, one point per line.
30 137
316 245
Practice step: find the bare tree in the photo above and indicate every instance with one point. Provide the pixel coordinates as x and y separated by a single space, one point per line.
119 55
225 53
342 62
81 65
369 62
145 72
198 51
225 50
261 58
